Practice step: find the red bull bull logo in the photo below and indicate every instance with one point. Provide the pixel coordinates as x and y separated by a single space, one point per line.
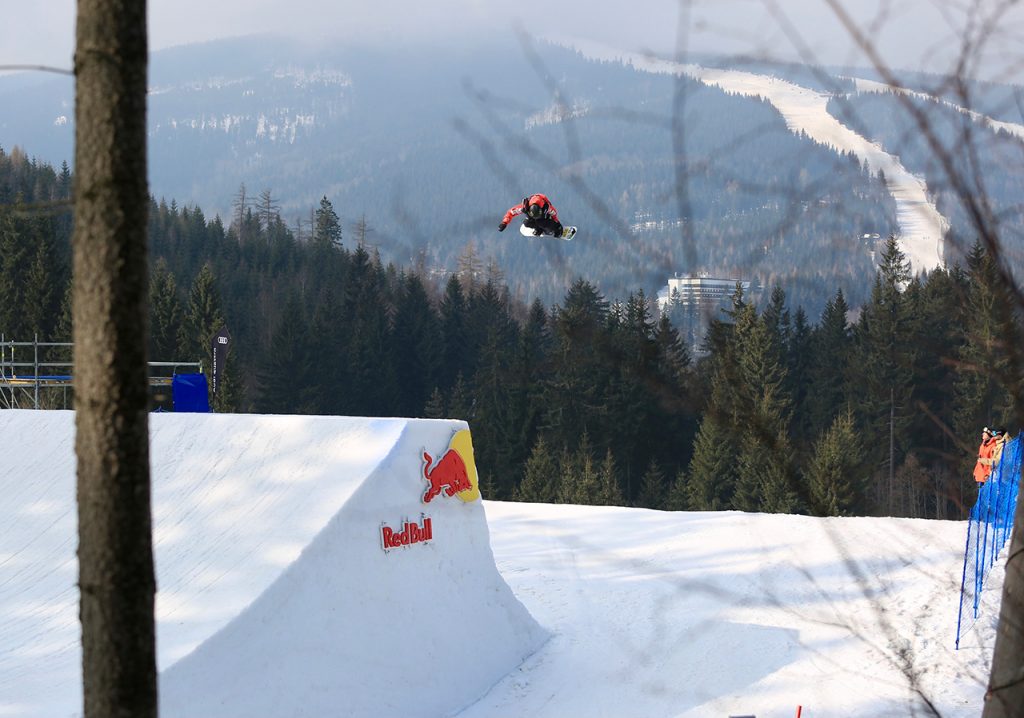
454 473
411 533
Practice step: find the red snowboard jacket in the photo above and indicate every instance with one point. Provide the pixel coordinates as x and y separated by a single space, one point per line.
549 209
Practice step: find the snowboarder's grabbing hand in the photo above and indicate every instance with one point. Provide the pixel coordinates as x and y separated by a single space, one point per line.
541 216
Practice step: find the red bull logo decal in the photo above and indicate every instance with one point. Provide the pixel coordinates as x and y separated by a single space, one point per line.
410 534
454 472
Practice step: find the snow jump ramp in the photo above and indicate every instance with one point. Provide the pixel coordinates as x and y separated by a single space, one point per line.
305 567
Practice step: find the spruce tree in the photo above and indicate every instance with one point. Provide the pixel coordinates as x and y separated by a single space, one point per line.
41 300
609 491
712 474
579 483
326 225
435 406
652 488
540 482
835 474
415 346
201 319
980 400
461 404
165 314
371 388
528 367
454 332
799 360
284 376
678 498
14 262
574 393
493 422
883 370
764 471
831 343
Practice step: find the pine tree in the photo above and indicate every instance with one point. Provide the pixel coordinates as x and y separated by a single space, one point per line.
435 408
326 225
201 319
835 474
579 483
41 300
798 369
415 346
574 391
712 474
831 343
883 369
284 376
461 404
165 314
764 473
678 498
652 488
528 367
493 422
454 332
241 208
540 480
982 360
371 388
609 491
14 262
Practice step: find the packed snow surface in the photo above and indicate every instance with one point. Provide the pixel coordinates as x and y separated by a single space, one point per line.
278 599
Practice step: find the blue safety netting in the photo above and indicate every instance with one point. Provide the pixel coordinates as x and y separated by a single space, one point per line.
988 530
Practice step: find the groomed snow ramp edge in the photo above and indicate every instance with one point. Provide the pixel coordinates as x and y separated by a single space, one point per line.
351 617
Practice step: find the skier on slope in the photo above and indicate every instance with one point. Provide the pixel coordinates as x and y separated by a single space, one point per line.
541 216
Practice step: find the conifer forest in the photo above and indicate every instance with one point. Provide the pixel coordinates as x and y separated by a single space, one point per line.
867 410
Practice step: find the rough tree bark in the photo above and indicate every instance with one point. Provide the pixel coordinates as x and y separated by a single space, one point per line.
1005 695
116 575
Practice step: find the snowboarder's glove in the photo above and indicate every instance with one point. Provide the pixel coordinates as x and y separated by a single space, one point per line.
501 227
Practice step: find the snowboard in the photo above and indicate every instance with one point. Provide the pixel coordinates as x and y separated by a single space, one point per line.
567 232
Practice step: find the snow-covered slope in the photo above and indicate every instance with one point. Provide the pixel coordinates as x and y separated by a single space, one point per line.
271 572
276 596
717 614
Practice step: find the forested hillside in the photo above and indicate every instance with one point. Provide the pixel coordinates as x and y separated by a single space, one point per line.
590 400
662 175
989 161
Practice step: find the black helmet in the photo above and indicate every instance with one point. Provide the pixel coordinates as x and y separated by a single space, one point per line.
535 211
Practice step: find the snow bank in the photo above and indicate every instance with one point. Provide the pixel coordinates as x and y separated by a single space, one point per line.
276 596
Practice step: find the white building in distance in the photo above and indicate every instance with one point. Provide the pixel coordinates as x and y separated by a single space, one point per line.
691 302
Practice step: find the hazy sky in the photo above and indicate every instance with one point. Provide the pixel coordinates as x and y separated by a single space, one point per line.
917 34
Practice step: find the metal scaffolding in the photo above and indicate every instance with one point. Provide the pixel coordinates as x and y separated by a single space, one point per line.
22 378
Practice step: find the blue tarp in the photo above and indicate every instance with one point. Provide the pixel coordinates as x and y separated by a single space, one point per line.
189 393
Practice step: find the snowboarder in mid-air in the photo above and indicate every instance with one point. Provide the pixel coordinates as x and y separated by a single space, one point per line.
541 217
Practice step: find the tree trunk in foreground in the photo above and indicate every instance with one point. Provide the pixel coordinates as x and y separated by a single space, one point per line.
1005 695
115 555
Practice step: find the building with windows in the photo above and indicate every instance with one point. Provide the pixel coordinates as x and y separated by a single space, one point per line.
692 301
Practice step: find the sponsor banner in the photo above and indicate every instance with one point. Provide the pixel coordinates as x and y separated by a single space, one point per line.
454 472
410 533
219 348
